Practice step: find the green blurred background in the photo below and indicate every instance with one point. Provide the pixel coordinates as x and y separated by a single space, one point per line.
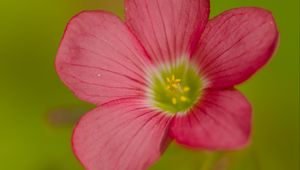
37 111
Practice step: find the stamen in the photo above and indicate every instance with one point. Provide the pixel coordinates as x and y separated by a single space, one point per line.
186 89
183 99
175 89
174 100
175 86
178 80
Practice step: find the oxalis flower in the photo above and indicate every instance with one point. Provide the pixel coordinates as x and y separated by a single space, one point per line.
166 73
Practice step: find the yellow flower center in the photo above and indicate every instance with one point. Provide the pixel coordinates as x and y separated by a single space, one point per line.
175 87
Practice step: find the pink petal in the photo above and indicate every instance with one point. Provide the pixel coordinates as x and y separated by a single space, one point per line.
235 45
120 135
167 28
99 58
221 120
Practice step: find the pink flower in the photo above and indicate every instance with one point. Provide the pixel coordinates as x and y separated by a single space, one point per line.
167 73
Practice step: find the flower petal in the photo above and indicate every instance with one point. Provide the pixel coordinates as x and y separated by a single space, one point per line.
221 120
167 28
99 58
235 45
120 135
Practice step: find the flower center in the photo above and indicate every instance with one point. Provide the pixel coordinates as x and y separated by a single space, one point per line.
175 87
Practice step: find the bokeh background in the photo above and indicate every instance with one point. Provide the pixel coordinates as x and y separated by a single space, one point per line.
37 112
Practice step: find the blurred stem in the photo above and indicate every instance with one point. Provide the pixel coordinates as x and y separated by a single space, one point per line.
211 159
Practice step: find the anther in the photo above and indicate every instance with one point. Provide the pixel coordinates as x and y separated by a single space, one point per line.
183 99
173 77
178 80
174 100
168 87
175 86
186 89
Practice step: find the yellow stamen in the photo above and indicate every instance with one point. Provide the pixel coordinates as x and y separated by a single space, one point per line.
186 89
178 80
168 80
174 100
183 99
173 77
175 86
168 87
